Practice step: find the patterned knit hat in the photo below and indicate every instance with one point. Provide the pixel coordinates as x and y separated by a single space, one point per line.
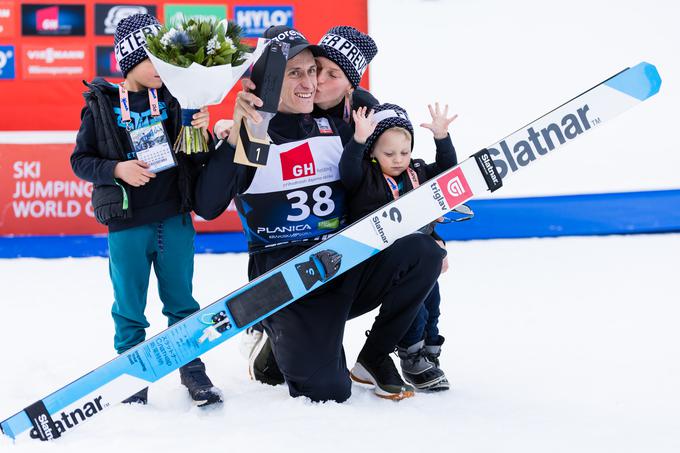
129 40
387 116
350 49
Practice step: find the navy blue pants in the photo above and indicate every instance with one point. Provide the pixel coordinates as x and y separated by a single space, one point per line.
426 325
307 335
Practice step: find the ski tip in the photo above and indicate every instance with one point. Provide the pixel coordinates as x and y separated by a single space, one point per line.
641 81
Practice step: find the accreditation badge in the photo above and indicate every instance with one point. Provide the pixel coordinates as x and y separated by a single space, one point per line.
152 146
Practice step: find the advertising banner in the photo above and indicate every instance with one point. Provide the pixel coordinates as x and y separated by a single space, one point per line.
40 195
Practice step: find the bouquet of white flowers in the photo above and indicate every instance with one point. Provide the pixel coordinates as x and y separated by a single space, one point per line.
199 61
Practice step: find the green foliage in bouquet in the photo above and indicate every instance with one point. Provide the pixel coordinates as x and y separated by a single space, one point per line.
202 41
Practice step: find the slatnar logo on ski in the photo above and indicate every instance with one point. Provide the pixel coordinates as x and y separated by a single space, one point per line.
66 421
375 221
511 156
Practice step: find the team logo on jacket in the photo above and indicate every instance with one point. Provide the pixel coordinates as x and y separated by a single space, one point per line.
451 190
297 163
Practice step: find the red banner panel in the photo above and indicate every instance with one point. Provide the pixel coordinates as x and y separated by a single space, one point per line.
40 195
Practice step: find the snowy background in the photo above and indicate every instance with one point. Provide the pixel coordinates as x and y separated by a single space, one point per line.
560 345
557 345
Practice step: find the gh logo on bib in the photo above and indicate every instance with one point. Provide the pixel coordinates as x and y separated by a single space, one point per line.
297 163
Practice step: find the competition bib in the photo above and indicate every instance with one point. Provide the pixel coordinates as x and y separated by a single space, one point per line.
298 196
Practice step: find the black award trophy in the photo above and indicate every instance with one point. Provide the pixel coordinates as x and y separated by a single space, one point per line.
252 147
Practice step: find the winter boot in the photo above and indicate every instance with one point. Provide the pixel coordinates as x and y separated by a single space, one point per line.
198 384
419 370
140 397
384 377
262 364
432 352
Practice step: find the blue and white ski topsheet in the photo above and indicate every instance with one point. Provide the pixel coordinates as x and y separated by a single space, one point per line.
68 407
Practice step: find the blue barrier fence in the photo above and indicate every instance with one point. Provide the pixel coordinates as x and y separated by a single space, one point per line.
569 215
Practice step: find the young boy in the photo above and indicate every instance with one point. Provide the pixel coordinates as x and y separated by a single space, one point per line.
376 168
142 192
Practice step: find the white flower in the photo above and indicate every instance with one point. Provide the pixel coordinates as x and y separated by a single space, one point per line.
213 46
228 41
168 37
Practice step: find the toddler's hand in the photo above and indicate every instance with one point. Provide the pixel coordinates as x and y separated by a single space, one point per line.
363 124
440 123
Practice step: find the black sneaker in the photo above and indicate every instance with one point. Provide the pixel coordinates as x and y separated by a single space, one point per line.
198 384
262 364
383 375
140 397
419 370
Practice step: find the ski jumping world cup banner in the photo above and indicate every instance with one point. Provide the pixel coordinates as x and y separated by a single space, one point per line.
59 44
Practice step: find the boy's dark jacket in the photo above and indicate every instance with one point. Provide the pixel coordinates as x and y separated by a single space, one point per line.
102 143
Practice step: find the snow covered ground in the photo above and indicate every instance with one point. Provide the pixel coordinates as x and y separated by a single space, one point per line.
560 345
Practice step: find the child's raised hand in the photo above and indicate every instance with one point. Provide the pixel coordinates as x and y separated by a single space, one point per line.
363 124
440 123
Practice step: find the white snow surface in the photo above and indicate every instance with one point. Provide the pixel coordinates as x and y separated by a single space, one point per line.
560 345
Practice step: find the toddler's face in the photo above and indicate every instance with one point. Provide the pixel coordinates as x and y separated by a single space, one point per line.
392 150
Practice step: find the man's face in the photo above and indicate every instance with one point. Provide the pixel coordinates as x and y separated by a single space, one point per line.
299 84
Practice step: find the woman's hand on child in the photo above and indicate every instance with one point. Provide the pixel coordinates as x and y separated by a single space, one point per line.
363 124
133 172
201 120
440 123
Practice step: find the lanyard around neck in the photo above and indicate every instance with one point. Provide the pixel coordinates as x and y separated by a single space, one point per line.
394 187
125 104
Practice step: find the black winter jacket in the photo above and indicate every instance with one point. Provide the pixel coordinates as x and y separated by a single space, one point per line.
102 143
367 189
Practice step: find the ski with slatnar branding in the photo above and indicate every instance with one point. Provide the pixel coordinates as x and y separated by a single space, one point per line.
88 396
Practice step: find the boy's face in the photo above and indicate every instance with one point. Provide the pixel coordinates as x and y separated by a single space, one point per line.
392 150
142 76
299 84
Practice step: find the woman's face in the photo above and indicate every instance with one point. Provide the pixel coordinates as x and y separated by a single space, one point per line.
332 83
299 84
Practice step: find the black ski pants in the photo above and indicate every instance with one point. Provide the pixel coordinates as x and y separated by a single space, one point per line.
307 335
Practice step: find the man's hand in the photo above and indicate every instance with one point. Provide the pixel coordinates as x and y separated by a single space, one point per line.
133 172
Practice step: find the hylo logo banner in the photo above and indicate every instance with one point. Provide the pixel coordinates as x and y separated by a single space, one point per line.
256 19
